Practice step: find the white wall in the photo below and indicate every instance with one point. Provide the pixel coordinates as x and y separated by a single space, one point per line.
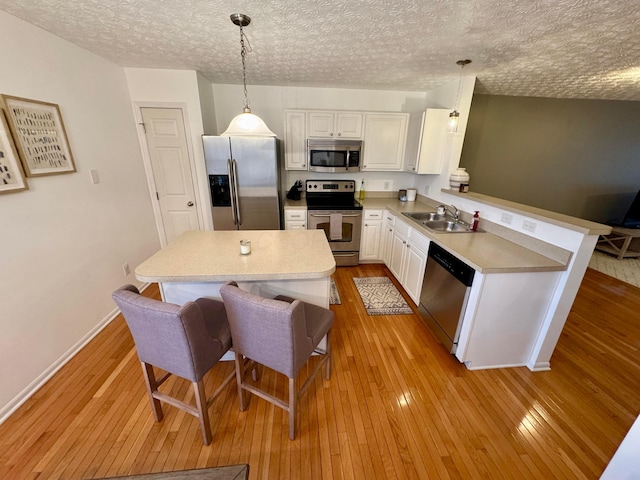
64 240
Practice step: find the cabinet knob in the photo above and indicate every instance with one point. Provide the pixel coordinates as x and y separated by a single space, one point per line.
339 134
408 245
404 242
331 134
303 165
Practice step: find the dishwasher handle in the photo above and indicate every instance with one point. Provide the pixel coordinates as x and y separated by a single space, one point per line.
456 267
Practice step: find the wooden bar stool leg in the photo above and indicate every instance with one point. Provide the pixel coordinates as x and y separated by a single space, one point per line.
152 387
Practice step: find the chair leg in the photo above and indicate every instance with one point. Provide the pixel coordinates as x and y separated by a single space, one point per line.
152 386
327 372
203 412
242 394
293 407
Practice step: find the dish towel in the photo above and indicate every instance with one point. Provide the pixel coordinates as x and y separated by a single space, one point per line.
335 226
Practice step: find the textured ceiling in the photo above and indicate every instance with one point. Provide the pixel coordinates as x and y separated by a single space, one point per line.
550 48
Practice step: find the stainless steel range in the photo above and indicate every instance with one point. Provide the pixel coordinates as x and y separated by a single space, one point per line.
332 208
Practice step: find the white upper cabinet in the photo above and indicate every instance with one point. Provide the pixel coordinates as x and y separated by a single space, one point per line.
295 140
385 136
334 124
431 144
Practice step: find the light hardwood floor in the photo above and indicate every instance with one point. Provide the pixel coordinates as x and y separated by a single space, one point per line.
397 406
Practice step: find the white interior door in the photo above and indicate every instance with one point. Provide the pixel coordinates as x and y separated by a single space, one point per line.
169 156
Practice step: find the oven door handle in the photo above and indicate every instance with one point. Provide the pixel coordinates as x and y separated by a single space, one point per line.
336 254
344 215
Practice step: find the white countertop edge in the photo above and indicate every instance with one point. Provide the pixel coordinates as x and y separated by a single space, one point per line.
243 277
581 225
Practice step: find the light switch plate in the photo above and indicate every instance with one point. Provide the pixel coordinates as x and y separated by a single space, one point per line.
95 178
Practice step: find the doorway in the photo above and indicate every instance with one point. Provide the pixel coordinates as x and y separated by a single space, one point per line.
172 181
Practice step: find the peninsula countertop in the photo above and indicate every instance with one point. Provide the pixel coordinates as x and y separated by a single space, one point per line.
214 256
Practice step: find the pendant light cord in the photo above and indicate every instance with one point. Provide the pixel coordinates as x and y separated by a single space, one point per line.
243 53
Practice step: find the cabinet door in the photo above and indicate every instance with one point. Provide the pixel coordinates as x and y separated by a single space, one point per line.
386 238
348 125
415 262
432 141
397 255
370 243
320 124
295 141
385 135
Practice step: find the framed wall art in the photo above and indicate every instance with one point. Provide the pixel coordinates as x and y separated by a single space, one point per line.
39 135
11 177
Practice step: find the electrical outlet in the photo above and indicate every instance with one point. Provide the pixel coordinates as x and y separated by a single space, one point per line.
426 189
126 269
387 185
506 218
529 226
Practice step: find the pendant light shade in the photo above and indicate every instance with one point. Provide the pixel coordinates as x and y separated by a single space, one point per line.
246 123
454 116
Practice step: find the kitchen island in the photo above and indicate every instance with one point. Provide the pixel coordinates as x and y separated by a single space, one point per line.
297 263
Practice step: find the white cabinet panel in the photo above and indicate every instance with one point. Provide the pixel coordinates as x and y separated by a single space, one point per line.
385 135
295 140
334 124
432 142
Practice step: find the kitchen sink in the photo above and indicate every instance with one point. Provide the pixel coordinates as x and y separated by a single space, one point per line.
446 226
421 216
439 223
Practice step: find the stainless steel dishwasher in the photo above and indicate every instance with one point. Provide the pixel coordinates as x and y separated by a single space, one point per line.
444 295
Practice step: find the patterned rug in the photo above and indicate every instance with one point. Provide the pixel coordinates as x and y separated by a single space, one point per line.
334 295
380 296
625 269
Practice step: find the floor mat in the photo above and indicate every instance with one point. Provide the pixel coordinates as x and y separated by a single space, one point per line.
380 296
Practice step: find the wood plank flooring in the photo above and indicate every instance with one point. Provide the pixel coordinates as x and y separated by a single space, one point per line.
398 406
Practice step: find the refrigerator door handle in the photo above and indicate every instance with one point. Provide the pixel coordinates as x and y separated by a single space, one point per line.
235 190
232 185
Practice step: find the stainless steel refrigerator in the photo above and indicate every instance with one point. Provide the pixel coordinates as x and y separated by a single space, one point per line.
243 180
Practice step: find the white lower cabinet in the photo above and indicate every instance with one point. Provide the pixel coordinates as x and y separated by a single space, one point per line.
408 258
370 240
386 237
295 218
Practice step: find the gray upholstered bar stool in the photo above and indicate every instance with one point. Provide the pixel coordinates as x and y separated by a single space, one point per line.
281 334
186 341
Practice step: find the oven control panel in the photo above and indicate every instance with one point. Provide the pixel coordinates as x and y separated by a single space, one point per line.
330 186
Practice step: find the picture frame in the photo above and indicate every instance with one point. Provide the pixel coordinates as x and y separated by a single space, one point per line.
11 174
39 136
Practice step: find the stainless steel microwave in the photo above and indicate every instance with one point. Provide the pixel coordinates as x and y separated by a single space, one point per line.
328 155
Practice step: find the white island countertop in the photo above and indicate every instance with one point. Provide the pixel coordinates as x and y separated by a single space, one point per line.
214 256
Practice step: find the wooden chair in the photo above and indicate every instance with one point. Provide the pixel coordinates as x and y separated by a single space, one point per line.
186 341
281 334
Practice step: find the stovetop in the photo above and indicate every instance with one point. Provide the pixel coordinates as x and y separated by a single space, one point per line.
331 195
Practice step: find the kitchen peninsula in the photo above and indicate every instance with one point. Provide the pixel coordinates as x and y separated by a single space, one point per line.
297 263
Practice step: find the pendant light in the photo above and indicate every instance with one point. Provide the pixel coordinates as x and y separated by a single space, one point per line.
246 123
454 116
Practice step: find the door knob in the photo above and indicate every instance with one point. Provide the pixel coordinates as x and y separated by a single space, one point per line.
190 204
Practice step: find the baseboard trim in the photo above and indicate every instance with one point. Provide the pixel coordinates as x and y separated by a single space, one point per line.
17 401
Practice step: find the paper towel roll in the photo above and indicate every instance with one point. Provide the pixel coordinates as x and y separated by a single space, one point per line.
411 194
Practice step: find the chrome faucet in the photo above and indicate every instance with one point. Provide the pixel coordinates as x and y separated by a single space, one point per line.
454 211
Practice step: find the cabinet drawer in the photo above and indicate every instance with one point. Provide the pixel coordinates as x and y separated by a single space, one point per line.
290 214
389 218
295 224
373 214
